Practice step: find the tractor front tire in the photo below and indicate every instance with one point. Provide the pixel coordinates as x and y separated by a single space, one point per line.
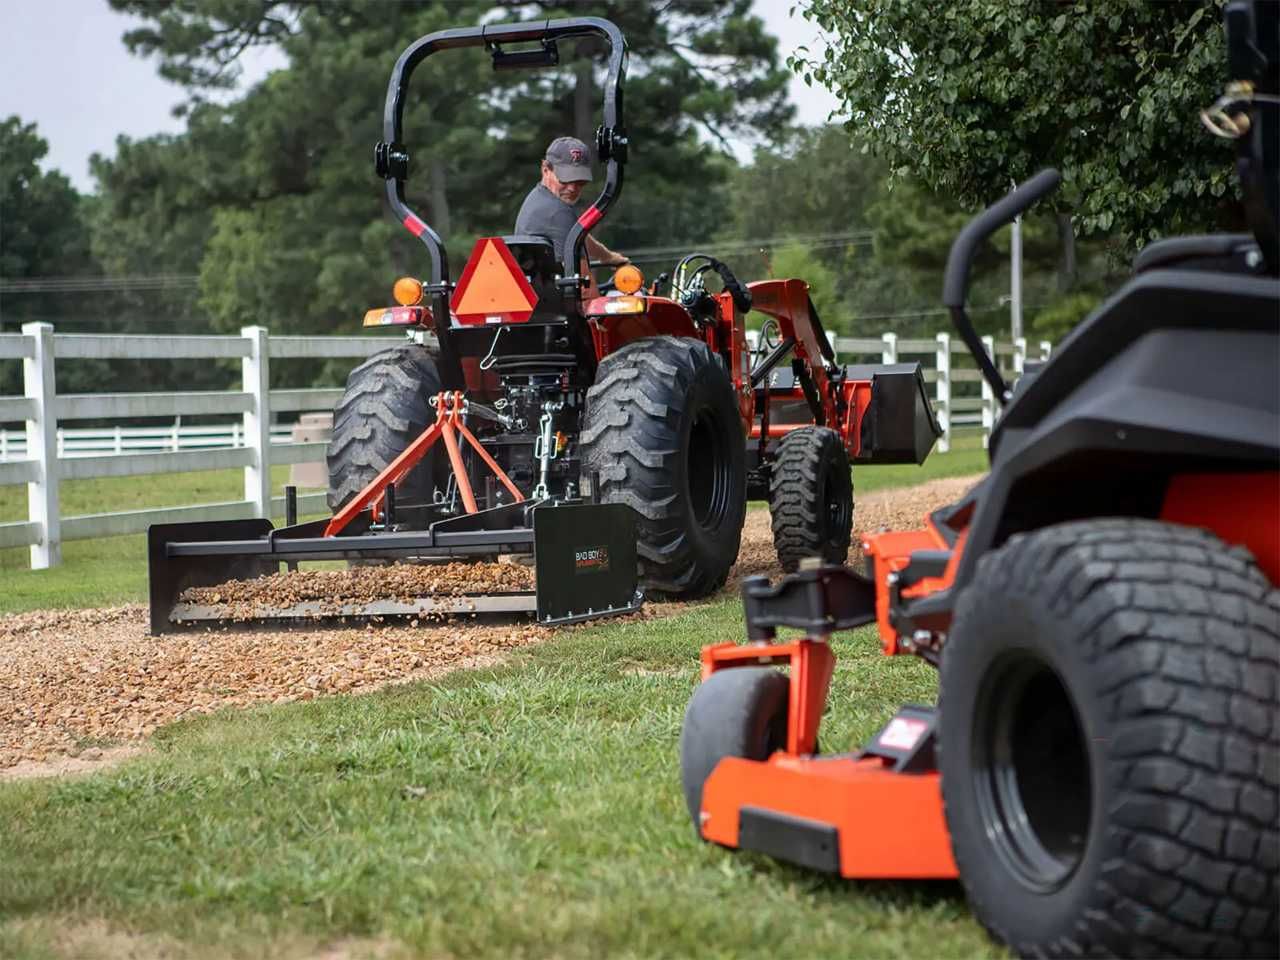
1108 743
811 497
386 407
736 712
662 434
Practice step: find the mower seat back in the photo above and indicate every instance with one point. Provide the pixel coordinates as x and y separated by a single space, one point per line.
1224 252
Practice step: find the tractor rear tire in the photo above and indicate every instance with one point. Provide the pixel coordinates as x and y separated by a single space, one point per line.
736 712
386 407
662 433
1108 744
811 497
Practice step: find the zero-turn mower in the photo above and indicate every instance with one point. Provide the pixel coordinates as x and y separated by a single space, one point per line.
1101 769
615 437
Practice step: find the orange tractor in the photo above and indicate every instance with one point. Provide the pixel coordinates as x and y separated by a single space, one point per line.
1102 770
615 437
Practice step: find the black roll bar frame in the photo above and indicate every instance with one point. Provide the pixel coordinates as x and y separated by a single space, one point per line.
391 158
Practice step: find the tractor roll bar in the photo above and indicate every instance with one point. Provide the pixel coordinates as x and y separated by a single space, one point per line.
960 259
391 158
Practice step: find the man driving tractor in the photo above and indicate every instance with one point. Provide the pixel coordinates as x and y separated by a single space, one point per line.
548 209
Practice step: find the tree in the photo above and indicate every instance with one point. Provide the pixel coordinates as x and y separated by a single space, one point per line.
42 235
976 94
41 216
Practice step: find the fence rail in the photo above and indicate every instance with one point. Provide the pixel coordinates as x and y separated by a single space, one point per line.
46 453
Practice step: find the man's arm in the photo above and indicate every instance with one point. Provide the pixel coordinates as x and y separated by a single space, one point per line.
598 252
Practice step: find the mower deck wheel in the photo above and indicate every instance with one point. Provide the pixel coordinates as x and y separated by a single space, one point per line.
738 712
811 497
1108 743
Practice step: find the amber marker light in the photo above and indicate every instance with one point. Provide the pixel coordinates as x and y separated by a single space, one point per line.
407 291
628 279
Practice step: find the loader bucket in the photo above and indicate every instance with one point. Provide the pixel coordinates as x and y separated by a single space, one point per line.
584 565
899 426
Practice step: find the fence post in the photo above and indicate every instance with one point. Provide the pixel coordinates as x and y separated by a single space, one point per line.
1019 356
1045 347
42 446
890 352
988 395
256 371
942 391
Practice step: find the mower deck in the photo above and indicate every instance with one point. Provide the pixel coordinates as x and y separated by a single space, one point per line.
841 814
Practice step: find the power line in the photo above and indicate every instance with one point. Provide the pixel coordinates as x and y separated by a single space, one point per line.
654 254
163 281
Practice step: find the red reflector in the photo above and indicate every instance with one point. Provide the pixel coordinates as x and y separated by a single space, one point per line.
492 288
399 317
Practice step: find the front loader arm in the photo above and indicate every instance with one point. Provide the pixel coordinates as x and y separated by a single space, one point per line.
788 302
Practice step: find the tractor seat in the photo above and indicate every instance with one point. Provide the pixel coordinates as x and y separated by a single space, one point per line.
1229 252
537 258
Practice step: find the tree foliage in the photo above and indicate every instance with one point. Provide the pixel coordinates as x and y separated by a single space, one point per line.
976 94
41 225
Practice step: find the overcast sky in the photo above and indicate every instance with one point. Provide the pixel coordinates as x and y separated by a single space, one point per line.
64 66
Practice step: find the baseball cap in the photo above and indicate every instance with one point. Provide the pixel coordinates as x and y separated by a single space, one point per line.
569 159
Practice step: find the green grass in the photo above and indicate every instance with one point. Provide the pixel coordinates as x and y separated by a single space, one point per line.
966 457
114 570
528 810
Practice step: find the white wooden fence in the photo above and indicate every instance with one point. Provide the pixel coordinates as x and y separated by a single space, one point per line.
91 441
42 407
251 446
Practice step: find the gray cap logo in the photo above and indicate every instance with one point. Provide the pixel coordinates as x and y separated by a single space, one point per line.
568 157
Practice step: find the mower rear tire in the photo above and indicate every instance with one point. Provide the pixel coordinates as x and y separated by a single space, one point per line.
811 497
386 406
736 712
1108 743
662 434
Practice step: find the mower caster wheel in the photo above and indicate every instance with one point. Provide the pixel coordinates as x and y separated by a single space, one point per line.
811 498
736 712
1108 743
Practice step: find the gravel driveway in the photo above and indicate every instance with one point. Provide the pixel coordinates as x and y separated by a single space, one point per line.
71 676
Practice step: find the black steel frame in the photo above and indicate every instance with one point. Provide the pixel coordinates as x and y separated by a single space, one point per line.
392 157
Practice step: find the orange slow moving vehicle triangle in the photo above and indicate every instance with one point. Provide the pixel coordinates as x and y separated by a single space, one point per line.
492 288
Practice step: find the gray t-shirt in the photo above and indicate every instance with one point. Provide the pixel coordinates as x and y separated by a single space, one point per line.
543 214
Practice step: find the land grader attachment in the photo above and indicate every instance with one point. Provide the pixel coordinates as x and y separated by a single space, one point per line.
615 437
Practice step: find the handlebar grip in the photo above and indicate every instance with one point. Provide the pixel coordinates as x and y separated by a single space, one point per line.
1021 198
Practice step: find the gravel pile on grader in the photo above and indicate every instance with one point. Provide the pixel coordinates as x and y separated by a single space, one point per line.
1102 771
614 437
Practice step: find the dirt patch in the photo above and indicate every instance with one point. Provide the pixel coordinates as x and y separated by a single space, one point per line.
88 760
71 676
96 939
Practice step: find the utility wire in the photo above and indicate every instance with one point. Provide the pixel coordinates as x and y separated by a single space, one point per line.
179 281
164 281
